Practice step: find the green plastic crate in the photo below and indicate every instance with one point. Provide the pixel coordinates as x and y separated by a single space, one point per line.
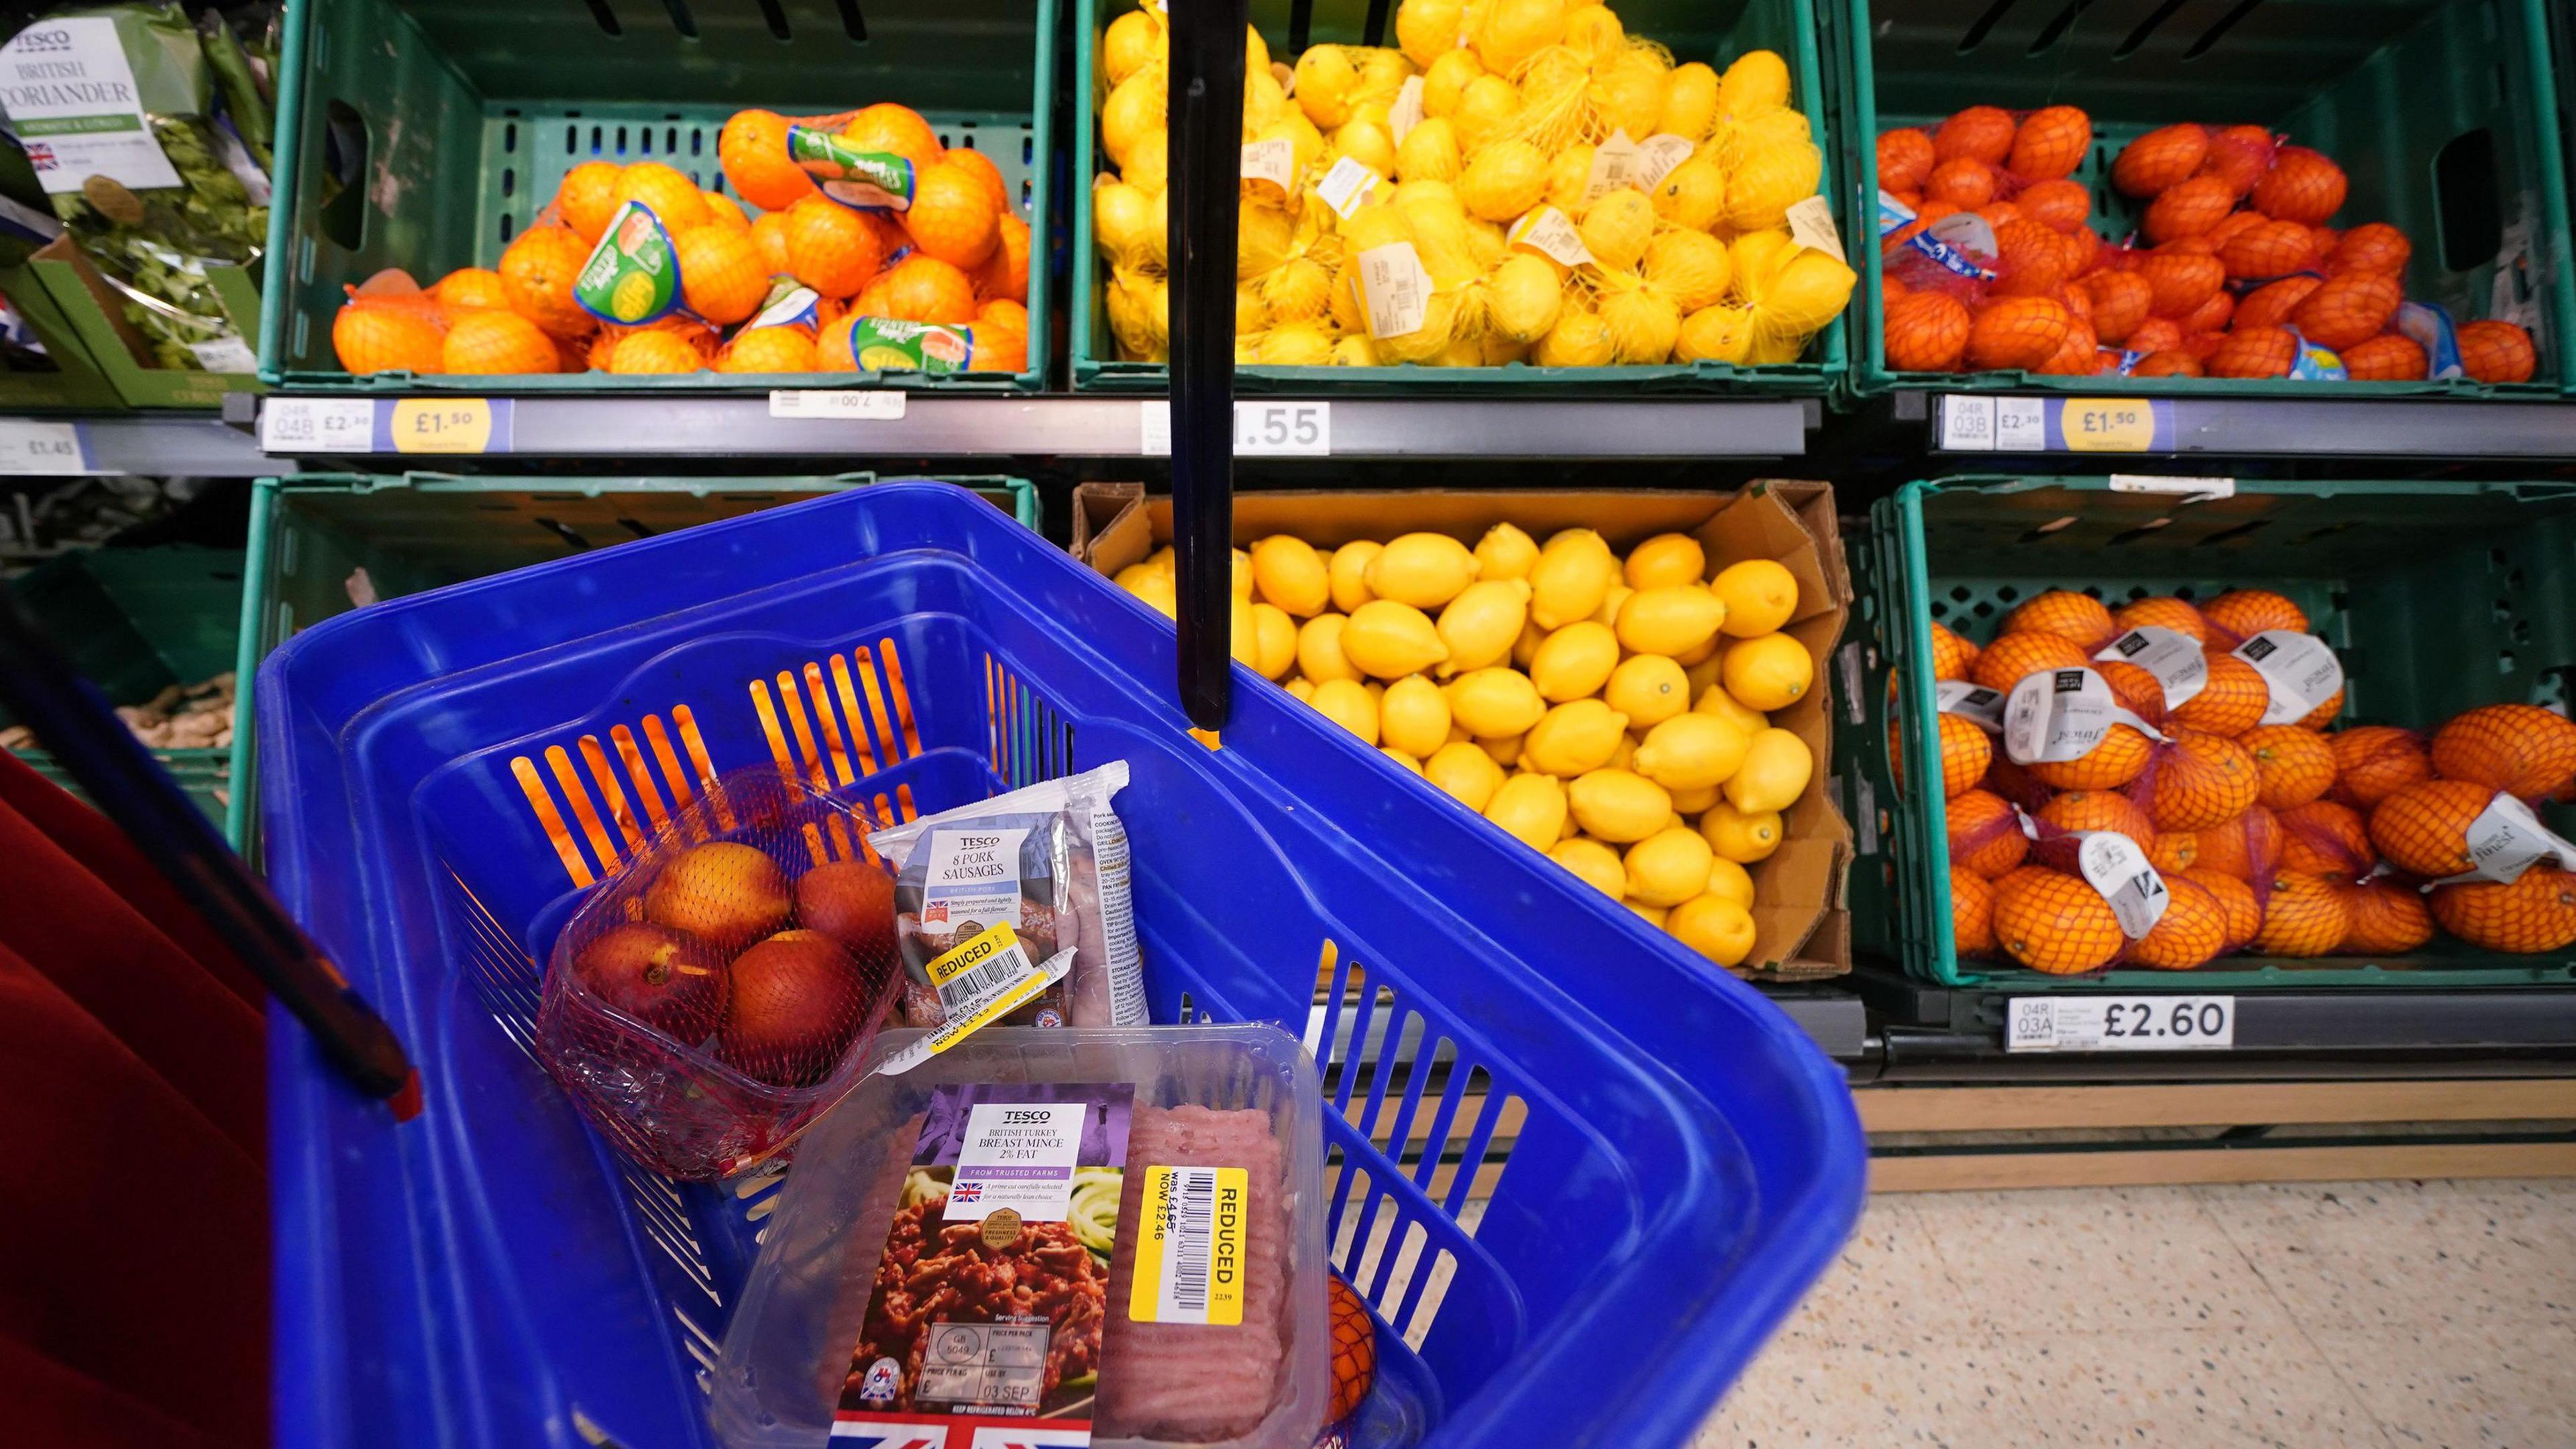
2438 596
1714 31
136 621
2382 86
312 534
76 381
473 110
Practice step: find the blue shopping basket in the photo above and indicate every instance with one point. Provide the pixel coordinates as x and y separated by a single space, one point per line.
1582 1171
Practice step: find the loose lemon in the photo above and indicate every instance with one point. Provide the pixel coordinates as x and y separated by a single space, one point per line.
1618 805
1134 575
1425 570
1573 662
1760 596
1768 673
1720 930
1506 553
1667 560
1348 705
1699 656
1652 915
1774 774
1611 599
1649 689
1465 771
1505 752
1531 808
1414 717
1668 867
1670 620
1274 640
1737 836
1572 573
1689 803
1715 700
1290 574
1574 738
1390 640
1482 623
1730 882
1692 751
1319 649
1246 640
1525 648
1301 690
1167 558
1242 574
1401 758
1156 590
1349 574
1495 703
1626 754
1594 863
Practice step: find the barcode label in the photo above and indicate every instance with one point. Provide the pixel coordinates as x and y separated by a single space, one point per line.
1190 1246
993 975
1193 1224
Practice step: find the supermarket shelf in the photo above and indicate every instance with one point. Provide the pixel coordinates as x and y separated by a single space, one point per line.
182 444
898 424
1832 1015
1989 424
1936 1033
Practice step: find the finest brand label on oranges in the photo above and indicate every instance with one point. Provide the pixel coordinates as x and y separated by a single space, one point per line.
887 344
2062 714
632 276
2301 671
2173 657
865 180
2507 839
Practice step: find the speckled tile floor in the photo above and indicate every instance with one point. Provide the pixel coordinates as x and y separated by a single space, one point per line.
2390 1315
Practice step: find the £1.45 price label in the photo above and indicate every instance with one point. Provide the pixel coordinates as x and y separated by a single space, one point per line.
2108 425
41 448
450 425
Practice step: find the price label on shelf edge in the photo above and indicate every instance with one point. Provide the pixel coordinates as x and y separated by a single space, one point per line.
2078 1023
317 425
451 425
42 448
1262 429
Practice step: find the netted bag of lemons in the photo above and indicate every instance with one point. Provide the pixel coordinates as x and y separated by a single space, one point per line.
1562 194
1611 712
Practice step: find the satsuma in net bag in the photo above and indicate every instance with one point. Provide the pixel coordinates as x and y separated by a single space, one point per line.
1050 861
707 1002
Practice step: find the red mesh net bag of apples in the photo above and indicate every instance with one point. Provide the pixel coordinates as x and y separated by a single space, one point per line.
717 995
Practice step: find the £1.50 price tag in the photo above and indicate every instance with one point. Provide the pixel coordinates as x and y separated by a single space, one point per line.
450 425
2073 1023
2108 425
40 448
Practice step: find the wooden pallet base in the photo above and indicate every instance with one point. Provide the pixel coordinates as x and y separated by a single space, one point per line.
1947 1139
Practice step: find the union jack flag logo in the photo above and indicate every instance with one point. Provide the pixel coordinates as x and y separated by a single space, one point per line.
966 1192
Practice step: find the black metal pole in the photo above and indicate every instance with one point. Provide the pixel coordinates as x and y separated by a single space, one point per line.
45 694
1206 122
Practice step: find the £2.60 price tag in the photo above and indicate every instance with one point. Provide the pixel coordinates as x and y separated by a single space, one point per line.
41 448
2120 1024
2107 425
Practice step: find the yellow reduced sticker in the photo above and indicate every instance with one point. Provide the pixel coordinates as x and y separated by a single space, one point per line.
2108 425
442 425
1190 1246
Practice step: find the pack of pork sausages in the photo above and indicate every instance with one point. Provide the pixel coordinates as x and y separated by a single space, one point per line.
1110 1237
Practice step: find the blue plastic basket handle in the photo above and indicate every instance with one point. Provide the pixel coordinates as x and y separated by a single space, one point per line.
47 695
1206 127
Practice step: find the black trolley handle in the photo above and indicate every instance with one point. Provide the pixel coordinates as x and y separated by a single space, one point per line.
1206 130
41 688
